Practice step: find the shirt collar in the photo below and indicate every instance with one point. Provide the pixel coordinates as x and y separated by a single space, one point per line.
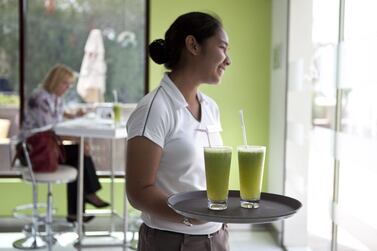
51 95
175 94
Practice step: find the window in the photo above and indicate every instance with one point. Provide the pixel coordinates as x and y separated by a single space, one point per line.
9 77
57 31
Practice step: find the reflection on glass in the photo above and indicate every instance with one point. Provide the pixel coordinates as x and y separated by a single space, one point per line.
323 71
359 113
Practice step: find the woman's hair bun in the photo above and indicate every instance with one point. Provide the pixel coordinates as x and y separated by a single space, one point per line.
158 51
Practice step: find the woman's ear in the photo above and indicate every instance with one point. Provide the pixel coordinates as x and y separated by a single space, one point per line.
192 45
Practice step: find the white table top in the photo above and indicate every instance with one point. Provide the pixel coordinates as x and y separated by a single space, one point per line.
91 128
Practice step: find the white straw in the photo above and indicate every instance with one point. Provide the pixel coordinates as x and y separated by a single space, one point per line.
115 96
243 128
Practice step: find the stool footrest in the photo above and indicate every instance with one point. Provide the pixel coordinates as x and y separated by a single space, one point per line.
20 212
58 226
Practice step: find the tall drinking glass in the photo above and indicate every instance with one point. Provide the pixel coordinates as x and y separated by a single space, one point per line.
251 165
117 112
217 166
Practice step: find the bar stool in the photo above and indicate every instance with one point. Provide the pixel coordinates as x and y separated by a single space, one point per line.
62 175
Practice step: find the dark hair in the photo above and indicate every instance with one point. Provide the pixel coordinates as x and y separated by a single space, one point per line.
198 24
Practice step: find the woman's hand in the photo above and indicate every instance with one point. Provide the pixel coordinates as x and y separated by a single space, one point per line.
197 222
80 112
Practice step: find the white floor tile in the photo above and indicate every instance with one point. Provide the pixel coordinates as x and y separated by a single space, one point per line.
240 240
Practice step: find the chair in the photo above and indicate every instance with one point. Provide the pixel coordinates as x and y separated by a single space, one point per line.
64 174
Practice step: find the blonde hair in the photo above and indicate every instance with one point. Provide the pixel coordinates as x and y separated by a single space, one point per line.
56 75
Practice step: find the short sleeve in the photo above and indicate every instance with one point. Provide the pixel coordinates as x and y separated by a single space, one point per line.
39 111
150 119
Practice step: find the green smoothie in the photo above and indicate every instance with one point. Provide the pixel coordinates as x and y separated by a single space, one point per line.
217 166
251 164
117 110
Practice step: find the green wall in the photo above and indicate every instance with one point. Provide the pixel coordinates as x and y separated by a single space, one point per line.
15 192
245 85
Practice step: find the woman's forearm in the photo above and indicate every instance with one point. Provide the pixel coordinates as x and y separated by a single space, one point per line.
143 158
152 200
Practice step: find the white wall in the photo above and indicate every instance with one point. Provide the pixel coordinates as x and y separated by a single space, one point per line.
290 111
279 40
298 119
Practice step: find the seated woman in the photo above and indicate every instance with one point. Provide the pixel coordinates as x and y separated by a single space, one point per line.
44 107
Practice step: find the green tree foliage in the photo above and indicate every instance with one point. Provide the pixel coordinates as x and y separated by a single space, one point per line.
57 34
9 54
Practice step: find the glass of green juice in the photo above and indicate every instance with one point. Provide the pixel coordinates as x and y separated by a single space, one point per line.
217 166
251 165
117 113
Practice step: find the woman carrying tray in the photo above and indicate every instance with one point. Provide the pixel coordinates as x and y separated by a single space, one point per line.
166 139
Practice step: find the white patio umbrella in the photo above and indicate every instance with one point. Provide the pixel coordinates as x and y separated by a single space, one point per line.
91 84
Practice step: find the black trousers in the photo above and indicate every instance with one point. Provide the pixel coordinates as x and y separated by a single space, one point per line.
91 182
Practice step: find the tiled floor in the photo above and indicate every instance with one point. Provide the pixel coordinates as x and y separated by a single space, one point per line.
241 239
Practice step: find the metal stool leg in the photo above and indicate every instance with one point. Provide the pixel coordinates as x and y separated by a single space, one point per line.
33 241
49 232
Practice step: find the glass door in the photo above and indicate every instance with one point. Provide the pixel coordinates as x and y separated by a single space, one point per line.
334 165
323 75
356 139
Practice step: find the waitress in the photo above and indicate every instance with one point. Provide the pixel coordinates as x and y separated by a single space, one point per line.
165 138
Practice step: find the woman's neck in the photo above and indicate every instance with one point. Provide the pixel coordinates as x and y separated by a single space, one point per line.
186 85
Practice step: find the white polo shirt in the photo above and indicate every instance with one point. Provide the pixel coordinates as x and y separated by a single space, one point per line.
162 117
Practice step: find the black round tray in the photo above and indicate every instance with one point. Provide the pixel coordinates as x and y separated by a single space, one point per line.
272 207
